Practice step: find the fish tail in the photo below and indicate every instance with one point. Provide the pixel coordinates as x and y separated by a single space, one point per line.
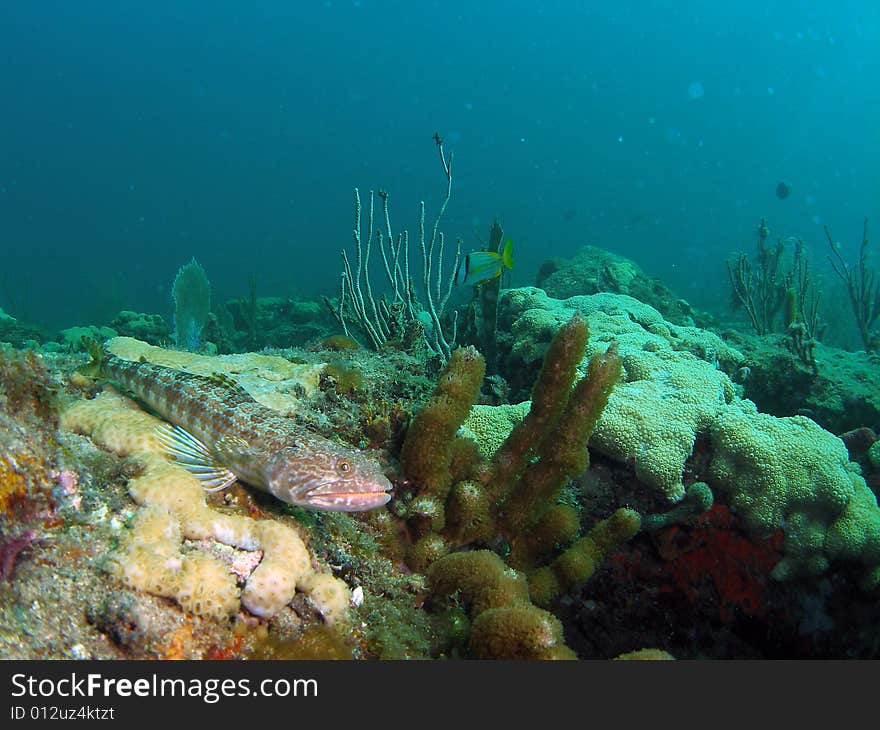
99 357
507 254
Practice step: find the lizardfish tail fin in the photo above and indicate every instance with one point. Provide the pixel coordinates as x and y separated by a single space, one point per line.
99 357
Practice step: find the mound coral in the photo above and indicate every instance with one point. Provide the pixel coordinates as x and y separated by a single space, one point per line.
874 454
789 471
173 507
779 472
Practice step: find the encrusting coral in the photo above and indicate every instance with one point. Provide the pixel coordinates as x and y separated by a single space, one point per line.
173 507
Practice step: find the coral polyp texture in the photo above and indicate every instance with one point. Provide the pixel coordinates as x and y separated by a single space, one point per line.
789 471
173 507
779 472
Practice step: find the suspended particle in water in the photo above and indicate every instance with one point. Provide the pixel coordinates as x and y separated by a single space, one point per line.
696 90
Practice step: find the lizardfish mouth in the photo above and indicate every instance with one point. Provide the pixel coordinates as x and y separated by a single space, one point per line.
344 498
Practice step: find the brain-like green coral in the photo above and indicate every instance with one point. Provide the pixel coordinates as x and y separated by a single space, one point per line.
874 455
790 473
490 425
533 317
855 534
671 387
653 418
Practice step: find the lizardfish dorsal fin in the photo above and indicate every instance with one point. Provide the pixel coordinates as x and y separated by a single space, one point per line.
235 447
195 457
227 381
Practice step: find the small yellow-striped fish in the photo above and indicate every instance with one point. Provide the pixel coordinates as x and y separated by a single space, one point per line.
221 434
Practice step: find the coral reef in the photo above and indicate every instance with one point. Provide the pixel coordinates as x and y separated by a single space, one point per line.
516 495
667 395
71 339
593 270
457 501
19 334
790 471
63 603
151 328
782 472
635 500
840 396
273 322
533 318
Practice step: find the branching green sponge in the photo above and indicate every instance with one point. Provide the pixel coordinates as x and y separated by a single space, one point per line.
504 623
427 454
576 565
549 446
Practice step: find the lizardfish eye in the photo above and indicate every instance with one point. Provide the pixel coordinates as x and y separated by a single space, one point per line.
343 467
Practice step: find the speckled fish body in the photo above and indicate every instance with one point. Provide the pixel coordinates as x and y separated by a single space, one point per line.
257 445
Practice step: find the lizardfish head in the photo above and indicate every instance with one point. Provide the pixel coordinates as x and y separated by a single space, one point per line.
324 475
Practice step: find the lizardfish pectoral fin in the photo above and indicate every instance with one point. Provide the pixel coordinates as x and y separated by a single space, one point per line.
195 457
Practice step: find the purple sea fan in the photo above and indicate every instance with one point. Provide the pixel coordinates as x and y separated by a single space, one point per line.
10 550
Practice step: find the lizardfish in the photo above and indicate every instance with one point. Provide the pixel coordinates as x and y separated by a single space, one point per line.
221 434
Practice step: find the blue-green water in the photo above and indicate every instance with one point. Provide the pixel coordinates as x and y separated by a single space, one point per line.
135 136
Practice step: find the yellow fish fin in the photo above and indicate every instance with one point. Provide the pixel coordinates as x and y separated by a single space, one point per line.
507 254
